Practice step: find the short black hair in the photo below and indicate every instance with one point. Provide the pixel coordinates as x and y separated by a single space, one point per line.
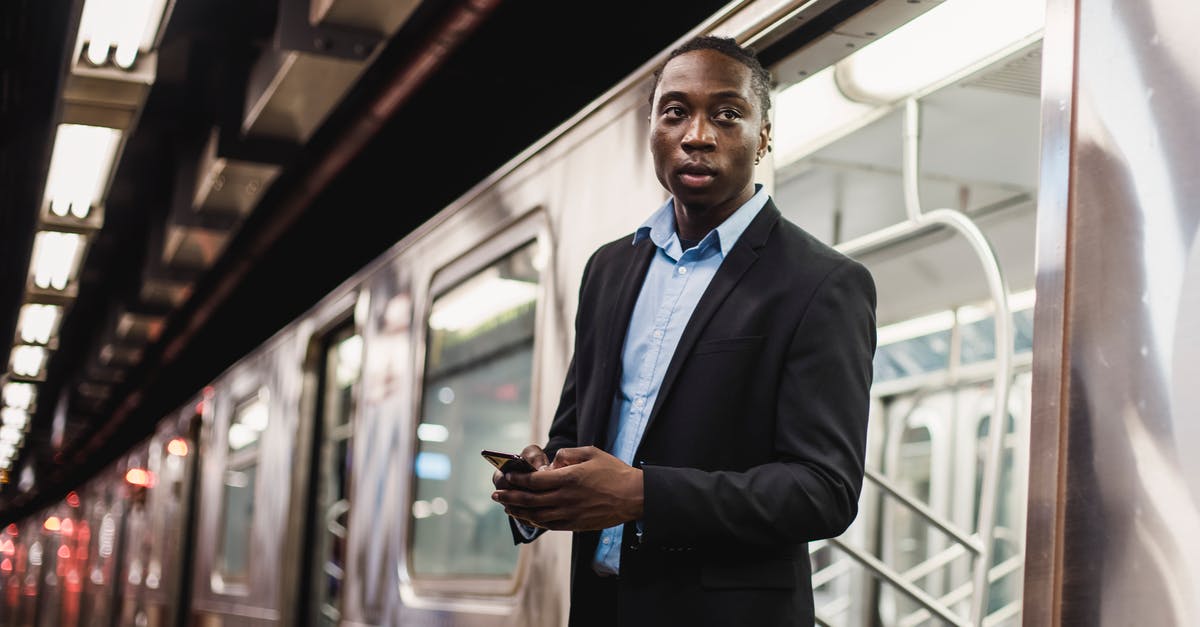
760 78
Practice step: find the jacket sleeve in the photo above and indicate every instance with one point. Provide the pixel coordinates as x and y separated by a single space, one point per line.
810 490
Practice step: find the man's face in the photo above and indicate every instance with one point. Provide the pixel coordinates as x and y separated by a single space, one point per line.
706 129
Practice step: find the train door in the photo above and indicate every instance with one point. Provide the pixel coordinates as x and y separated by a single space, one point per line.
324 573
907 136
160 485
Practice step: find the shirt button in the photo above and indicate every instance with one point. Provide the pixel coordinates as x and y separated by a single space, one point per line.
682 270
607 540
658 333
639 402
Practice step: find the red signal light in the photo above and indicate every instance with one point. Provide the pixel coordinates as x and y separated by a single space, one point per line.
73 499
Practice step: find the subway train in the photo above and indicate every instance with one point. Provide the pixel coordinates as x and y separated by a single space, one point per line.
332 476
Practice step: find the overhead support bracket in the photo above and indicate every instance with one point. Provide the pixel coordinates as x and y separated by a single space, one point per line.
296 33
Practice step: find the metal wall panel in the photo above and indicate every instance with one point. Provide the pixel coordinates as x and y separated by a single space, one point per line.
1115 490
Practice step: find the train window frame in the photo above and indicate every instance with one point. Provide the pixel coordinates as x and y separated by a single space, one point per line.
529 228
241 458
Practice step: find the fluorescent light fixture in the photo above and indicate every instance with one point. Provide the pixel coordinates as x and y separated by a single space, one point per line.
11 435
915 327
28 360
79 168
1019 301
482 298
429 432
944 41
13 417
128 26
38 323
19 395
813 113
939 44
56 255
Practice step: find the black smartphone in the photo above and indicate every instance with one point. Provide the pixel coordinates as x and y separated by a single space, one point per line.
506 462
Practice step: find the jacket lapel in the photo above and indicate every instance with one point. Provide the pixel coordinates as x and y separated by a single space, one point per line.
736 263
624 286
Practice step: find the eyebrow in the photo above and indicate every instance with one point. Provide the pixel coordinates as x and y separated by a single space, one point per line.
727 94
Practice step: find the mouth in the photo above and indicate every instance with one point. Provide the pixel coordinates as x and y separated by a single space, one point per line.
695 174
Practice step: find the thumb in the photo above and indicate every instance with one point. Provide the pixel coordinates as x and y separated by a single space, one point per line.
570 456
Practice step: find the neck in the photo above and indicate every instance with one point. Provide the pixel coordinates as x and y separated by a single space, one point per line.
693 222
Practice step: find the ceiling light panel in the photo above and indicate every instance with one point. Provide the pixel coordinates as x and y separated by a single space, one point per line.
13 417
28 361
80 167
38 323
56 256
19 395
122 28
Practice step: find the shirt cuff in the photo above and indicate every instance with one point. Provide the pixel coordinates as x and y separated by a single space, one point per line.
527 532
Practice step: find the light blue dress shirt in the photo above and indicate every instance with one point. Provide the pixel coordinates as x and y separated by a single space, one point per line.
673 286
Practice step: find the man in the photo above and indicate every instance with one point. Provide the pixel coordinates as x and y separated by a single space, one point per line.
713 419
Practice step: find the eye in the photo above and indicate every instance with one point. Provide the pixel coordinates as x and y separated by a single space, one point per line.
674 111
728 115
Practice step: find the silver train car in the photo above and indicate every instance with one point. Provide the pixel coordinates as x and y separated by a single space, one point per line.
999 165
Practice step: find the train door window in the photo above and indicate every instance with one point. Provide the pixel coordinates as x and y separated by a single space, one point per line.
1005 544
241 469
339 376
476 395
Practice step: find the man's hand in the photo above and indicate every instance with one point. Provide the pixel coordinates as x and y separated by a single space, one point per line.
584 489
532 454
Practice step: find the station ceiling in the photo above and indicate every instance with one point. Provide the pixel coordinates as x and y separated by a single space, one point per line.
165 302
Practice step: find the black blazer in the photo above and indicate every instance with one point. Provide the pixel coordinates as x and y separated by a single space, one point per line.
755 444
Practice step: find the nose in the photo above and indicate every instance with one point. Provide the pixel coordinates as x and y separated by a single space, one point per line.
699 134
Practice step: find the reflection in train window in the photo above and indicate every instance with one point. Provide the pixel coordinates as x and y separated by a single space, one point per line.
476 395
342 367
237 502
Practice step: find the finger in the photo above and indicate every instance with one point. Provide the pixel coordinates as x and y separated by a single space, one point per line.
521 498
545 481
518 480
535 456
569 456
499 481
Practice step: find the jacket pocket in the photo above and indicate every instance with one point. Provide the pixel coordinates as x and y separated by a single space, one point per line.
727 344
779 574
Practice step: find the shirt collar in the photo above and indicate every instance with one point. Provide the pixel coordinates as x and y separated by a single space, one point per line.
660 226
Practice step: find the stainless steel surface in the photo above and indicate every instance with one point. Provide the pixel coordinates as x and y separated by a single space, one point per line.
1121 536
1044 540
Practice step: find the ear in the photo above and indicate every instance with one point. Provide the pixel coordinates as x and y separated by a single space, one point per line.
764 139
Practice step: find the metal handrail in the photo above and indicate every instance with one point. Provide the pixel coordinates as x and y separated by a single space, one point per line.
917 222
830 572
969 542
957 595
886 572
935 562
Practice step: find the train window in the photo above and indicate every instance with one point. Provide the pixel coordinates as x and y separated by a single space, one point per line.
476 395
241 469
342 366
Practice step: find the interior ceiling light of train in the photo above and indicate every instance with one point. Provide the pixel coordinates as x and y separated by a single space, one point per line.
122 51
